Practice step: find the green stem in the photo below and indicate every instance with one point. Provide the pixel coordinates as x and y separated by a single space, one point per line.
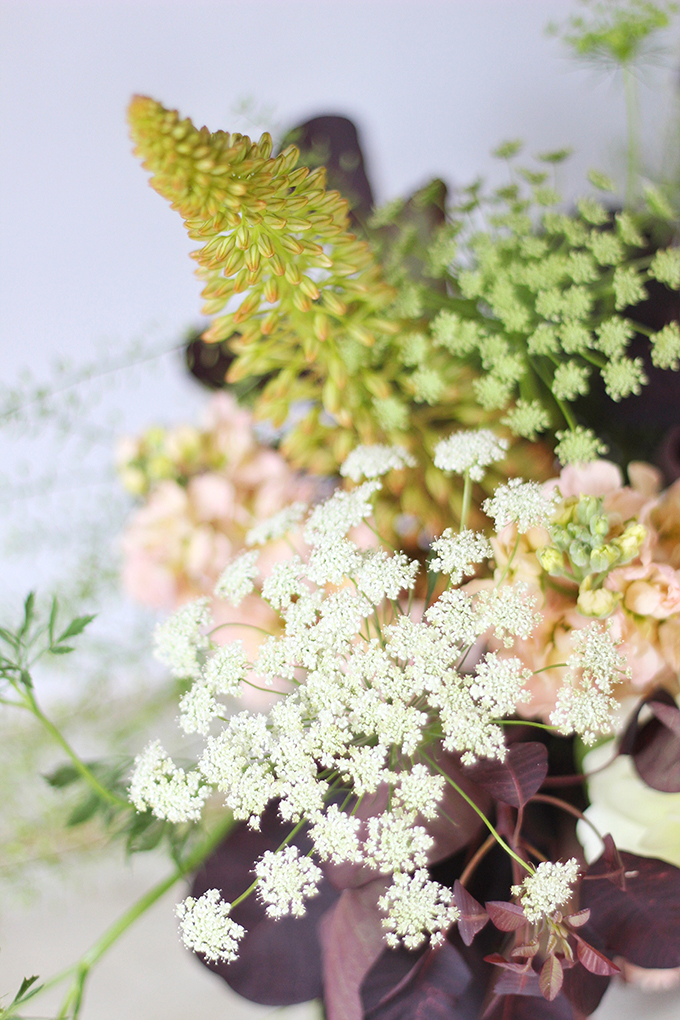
630 91
526 722
104 942
467 501
496 835
80 765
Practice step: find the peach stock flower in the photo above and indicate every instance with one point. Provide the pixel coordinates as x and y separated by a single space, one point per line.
645 591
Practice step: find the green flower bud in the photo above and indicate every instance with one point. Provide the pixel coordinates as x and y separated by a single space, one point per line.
551 559
599 602
604 558
579 554
630 542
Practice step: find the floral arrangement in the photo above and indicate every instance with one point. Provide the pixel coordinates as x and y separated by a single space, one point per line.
406 608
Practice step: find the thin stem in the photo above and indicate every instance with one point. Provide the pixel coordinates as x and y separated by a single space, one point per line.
526 722
250 626
497 836
545 798
467 501
478 855
578 777
630 92
80 765
509 563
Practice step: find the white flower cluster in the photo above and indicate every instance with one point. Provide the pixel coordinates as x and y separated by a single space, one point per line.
414 905
373 694
547 889
584 703
374 461
277 526
170 792
522 503
236 580
206 927
286 880
179 641
458 553
470 451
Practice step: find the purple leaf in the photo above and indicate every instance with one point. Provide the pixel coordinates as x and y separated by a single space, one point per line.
498 960
518 778
616 873
640 924
655 746
435 989
584 990
506 916
551 978
351 936
594 961
668 714
279 962
517 983
522 1007
579 919
473 916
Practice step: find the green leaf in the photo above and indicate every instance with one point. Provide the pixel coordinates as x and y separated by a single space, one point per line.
85 810
62 776
61 649
8 637
145 833
29 606
54 609
25 985
76 626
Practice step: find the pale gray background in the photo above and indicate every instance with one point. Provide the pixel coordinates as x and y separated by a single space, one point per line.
92 258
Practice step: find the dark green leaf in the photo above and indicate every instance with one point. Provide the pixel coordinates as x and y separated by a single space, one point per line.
29 606
76 626
145 836
61 649
53 619
62 776
21 994
85 810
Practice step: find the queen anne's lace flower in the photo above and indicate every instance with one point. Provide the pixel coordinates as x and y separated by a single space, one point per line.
277 526
547 889
470 451
457 554
374 461
522 503
285 880
394 843
179 640
169 792
335 835
415 908
206 927
236 580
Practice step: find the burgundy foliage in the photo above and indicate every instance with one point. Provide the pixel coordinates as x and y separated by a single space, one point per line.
641 923
655 745
515 780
